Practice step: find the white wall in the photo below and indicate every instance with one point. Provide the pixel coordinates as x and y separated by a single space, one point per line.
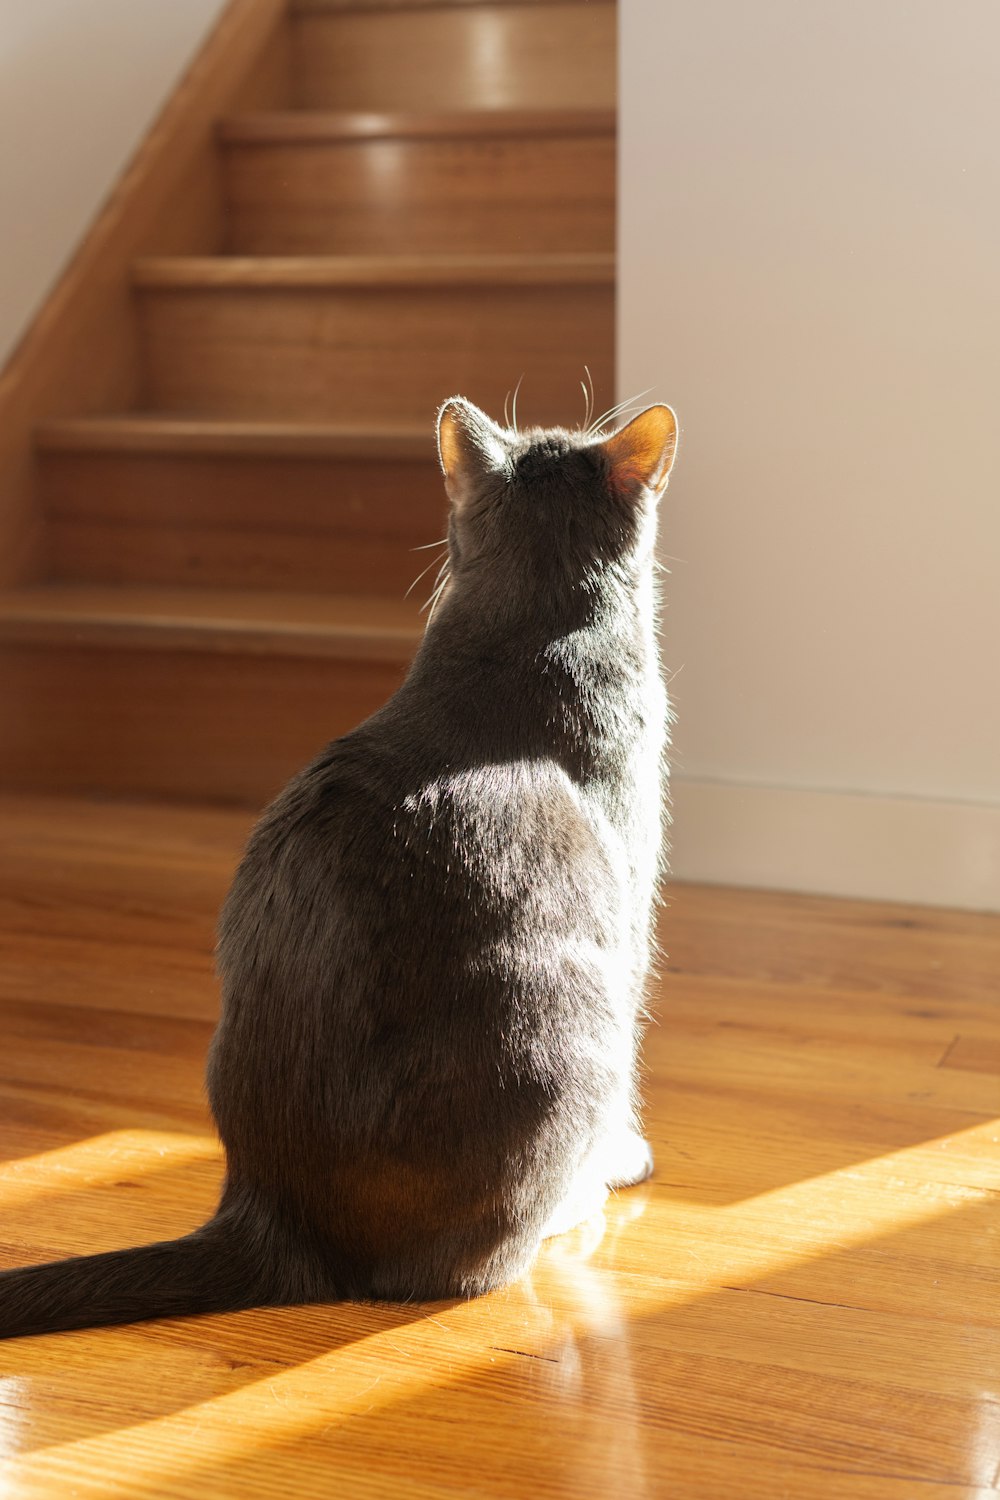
80 83
810 272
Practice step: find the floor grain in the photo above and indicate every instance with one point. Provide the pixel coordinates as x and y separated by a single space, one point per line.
804 1302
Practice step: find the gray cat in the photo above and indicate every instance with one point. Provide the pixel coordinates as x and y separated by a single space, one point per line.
434 950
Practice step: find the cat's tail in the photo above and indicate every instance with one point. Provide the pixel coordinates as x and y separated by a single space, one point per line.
215 1269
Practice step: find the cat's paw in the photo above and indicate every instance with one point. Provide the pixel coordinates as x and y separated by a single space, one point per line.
631 1161
584 1201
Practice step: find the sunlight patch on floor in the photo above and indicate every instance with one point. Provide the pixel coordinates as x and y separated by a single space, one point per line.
100 1161
15 1395
573 1293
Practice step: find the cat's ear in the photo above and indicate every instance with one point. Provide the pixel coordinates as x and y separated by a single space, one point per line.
470 446
640 456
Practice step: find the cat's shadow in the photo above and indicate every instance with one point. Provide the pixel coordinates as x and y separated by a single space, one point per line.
114 1378
96 1383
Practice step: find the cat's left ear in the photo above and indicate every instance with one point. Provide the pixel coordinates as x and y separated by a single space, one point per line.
471 448
641 455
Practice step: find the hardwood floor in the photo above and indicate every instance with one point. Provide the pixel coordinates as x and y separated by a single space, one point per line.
804 1302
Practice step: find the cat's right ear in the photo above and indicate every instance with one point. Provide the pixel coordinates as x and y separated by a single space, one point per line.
640 456
471 447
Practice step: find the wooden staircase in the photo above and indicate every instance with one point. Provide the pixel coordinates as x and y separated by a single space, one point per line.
221 589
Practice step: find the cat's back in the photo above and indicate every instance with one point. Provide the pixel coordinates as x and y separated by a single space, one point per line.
384 826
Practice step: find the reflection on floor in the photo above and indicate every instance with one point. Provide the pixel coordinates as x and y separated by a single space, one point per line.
804 1302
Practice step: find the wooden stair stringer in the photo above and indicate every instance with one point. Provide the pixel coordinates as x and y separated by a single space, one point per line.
80 352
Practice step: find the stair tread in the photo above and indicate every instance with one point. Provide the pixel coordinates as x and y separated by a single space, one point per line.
305 271
262 622
335 7
313 126
132 432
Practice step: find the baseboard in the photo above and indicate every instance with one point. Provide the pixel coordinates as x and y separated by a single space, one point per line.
837 843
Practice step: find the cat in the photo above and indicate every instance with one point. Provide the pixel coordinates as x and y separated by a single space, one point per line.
433 954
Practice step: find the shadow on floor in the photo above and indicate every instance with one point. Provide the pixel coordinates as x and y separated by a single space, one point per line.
865 1369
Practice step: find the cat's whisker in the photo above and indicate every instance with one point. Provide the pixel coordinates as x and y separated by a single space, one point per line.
433 610
442 541
506 408
435 599
420 575
614 411
589 394
514 405
441 577
628 401
602 418
608 417
440 572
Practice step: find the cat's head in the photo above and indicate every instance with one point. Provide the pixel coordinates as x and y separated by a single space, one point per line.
552 506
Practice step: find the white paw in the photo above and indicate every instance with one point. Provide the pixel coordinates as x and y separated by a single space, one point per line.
630 1160
584 1202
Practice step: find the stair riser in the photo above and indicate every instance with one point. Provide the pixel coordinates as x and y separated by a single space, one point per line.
241 522
514 194
484 57
367 354
175 724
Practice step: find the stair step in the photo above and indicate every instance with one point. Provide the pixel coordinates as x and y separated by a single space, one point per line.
488 55
301 183
187 693
438 272
303 7
299 126
148 433
376 338
259 622
139 499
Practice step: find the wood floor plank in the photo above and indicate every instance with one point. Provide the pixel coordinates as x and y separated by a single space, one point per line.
974 1054
918 953
804 1301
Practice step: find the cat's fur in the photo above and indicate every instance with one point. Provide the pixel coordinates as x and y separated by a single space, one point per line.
434 950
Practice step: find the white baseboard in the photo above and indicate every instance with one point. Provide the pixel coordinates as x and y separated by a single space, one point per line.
837 843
